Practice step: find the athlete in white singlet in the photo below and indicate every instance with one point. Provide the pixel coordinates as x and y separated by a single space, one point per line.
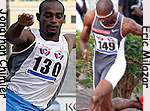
109 29
38 63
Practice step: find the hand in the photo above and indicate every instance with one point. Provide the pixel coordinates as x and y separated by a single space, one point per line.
133 12
85 54
25 19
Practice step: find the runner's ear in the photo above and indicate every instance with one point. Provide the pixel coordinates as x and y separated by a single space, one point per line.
64 18
38 16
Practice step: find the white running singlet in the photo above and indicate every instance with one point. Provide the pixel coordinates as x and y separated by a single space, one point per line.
37 72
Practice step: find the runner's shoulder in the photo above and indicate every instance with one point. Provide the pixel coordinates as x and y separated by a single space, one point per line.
128 25
89 17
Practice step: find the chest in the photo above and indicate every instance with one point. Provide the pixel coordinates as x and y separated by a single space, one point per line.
47 61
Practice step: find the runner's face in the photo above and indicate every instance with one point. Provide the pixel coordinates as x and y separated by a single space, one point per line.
105 17
51 18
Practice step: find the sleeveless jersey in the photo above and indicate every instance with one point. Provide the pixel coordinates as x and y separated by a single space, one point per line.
37 72
109 45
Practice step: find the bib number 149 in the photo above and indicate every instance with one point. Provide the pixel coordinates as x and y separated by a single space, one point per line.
108 46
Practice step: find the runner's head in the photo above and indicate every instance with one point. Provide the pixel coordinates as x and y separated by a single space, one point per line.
51 16
105 11
46 1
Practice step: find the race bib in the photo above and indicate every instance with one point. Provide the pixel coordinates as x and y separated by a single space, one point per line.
44 66
106 44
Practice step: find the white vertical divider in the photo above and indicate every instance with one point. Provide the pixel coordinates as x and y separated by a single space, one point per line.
3 62
146 54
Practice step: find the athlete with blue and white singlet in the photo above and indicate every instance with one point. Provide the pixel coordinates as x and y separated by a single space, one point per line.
109 29
38 63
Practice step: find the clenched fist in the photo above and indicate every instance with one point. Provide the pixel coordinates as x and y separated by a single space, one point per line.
85 54
25 19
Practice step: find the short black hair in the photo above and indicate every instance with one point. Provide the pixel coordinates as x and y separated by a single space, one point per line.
40 7
104 5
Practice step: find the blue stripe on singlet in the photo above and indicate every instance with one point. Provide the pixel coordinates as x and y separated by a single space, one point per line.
107 51
41 75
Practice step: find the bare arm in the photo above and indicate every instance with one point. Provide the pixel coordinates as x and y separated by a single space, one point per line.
85 34
130 26
120 9
137 11
16 33
71 39
84 7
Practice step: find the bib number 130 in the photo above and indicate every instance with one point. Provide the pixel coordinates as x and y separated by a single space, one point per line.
44 69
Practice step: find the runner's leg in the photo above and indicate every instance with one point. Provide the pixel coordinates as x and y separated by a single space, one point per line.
102 90
107 104
120 103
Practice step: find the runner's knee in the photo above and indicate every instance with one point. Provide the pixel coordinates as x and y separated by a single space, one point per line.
98 98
